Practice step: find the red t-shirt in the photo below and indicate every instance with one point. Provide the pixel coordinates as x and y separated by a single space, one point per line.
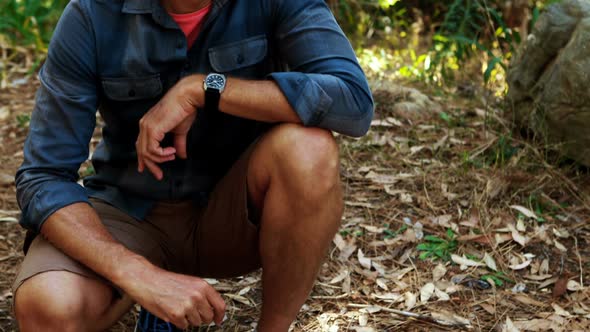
191 23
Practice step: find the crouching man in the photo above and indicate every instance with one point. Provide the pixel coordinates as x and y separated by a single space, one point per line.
217 159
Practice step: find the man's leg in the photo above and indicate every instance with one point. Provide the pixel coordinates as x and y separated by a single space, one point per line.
53 292
293 181
65 301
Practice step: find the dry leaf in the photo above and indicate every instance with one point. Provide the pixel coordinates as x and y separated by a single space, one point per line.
559 246
364 261
509 326
516 236
373 229
544 268
441 295
538 277
520 266
382 283
238 298
520 226
548 282
346 248
6 179
465 262
525 299
378 267
450 318
363 329
573 286
410 300
346 284
394 297
473 221
489 308
426 292
490 262
534 325
244 291
560 311
341 276
501 238
339 242
526 212
363 319
561 233
381 178
486 239
442 220
438 272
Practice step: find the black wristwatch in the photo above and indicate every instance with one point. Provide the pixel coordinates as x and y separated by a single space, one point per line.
214 84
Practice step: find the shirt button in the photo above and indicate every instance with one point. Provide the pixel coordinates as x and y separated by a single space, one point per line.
187 66
180 44
131 93
240 59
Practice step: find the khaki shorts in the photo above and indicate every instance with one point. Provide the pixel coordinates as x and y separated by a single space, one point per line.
215 241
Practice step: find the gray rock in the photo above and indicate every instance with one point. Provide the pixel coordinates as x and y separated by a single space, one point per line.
549 78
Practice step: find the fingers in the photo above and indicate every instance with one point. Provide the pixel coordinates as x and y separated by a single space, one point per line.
217 304
149 155
194 317
154 169
180 145
206 313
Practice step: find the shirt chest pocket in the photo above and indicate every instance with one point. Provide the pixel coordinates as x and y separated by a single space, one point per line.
132 88
244 58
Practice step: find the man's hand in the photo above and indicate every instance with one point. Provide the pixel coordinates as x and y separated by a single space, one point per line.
179 299
175 113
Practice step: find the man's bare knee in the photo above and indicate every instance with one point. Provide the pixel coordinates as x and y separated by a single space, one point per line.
61 301
309 155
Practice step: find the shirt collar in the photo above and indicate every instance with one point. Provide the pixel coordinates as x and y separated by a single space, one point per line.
145 7
138 6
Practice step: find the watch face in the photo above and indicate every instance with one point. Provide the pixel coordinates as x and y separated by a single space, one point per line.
215 81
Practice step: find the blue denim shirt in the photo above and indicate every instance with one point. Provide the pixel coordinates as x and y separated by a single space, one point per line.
121 56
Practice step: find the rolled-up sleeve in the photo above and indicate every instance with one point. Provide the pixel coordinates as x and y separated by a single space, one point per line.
325 85
62 122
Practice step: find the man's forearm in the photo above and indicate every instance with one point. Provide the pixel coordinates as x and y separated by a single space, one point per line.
260 100
77 230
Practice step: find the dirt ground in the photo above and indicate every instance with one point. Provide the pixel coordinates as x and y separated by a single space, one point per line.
507 230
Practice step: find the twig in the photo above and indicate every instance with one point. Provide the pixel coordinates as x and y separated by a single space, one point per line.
333 297
411 315
579 261
5 258
7 213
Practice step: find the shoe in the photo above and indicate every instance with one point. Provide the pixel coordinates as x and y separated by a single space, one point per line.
148 322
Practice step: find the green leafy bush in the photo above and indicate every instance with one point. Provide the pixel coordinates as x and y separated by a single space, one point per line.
29 22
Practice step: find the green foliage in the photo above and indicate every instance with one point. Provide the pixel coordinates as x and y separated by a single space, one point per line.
29 22
498 155
389 234
437 248
22 120
502 151
498 278
460 30
470 27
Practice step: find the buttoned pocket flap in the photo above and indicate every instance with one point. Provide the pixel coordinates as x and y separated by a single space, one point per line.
236 55
132 88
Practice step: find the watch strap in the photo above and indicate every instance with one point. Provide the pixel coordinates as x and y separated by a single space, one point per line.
212 100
